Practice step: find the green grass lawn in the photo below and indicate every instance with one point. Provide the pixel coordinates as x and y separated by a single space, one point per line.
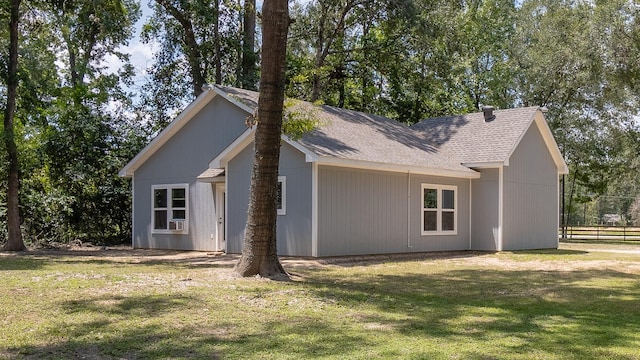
579 302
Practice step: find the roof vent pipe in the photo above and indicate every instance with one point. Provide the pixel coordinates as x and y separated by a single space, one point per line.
488 113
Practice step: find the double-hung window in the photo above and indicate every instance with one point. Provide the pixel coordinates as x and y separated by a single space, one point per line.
439 210
170 208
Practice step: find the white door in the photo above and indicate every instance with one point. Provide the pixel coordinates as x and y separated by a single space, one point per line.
221 210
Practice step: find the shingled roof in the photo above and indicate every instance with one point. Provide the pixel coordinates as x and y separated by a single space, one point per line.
454 143
356 136
473 140
353 135
447 146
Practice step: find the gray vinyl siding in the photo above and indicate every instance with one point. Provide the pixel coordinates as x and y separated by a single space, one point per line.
238 177
530 196
371 212
181 160
294 227
485 210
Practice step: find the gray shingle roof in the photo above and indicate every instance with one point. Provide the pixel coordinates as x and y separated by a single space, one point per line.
247 97
472 140
353 135
439 143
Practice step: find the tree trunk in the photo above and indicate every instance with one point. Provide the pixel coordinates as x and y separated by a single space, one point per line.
259 253
14 241
216 42
248 46
192 49
322 48
315 79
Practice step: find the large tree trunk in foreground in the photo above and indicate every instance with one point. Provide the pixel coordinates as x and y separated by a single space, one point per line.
259 253
14 241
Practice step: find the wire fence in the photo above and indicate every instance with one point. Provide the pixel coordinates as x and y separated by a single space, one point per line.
599 233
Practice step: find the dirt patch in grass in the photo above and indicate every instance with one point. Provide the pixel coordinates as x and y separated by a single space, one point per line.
505 260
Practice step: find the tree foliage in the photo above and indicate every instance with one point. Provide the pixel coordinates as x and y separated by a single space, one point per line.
410 60
74 133
199 42
75 123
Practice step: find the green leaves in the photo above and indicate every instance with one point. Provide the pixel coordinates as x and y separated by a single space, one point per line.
299 119
71 137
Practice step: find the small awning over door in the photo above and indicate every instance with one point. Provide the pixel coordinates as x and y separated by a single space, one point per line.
212 176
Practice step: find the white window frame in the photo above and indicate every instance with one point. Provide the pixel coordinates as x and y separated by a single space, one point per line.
282 210
439 210
169 209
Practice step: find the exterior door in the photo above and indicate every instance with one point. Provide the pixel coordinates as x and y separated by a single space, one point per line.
221 211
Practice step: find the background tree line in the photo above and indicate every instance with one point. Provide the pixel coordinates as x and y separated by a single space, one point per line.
77 121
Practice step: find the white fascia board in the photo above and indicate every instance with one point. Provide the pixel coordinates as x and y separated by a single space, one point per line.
220 161
174 126
485 165
550 141
369 165
309 155
231 99
241 142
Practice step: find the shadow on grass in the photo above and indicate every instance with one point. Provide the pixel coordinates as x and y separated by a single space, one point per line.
474 314
34 260
109 335
121 327
363 260
583 314
20 262
367 312
190 259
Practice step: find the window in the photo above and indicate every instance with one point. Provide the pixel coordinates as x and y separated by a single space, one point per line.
281 195
170 208
439 210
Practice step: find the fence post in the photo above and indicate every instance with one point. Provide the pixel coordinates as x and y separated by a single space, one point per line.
598 233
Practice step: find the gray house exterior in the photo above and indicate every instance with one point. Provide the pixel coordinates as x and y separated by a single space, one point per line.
358 184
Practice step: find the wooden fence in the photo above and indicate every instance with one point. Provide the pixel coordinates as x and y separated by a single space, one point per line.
600 233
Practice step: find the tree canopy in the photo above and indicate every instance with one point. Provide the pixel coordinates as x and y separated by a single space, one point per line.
76 121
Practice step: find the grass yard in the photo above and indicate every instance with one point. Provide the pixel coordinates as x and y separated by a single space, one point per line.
579 302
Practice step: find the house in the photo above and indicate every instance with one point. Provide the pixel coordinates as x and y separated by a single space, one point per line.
358 184
612 219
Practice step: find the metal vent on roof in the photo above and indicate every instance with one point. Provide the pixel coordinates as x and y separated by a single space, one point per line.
488 113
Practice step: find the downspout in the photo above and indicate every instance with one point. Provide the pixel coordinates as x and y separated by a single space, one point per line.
500 206
409 209
564 229
314 209
470 210
133 210
564 222
226 209
217 208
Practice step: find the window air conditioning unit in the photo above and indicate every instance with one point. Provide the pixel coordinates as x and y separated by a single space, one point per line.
177 225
